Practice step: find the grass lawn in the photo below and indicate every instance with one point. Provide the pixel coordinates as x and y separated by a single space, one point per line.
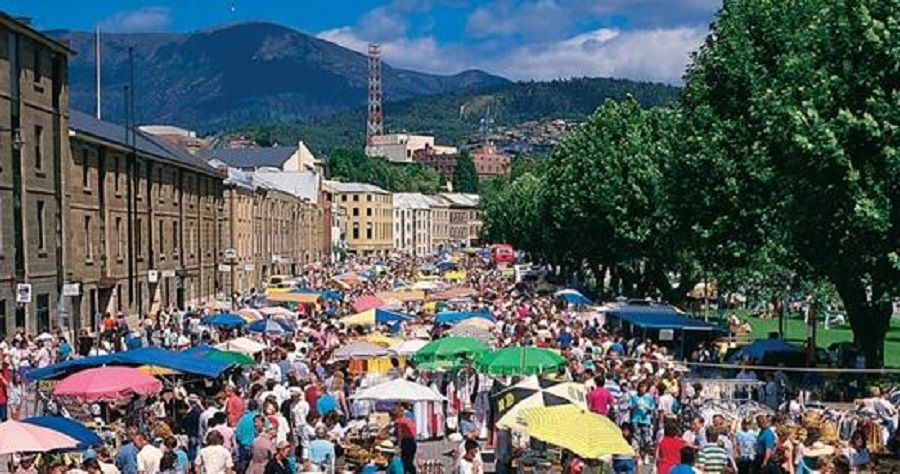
795 332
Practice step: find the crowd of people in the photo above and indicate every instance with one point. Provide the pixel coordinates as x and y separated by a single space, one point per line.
292 411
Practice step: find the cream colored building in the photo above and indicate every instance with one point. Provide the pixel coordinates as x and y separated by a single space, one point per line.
369 217
412 224
440 222
400 147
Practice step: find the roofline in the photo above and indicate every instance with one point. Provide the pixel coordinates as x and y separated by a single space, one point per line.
103 141
34 34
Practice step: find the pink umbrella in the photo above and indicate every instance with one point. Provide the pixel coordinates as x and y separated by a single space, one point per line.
106 384
367 302
18 437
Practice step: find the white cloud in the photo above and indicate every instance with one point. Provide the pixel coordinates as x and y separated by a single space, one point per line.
146 19
653 55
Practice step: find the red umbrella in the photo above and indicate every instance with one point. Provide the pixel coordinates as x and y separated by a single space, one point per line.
107 384
367 302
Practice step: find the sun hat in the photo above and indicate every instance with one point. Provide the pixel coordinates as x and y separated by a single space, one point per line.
386 446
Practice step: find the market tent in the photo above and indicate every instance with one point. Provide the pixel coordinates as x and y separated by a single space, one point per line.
296 298
359 350
586 434
367 302
85 437
408 347
658 317
760 349
480 323
324 294
243 345
134 357
372 317
21 437
400 390
106 384
224 320
277 311
402 296
447 348
271 326
534 392
211 353
453 317
573 297
474 332
518 360
157 371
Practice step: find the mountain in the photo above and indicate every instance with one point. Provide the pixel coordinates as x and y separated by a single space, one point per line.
454 116
238 74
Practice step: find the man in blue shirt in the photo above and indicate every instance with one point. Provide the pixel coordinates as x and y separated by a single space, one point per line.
687 462
245 432
126 458
321 450
642 409
765 445
564 339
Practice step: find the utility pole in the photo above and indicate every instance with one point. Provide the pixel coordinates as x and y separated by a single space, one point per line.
99 111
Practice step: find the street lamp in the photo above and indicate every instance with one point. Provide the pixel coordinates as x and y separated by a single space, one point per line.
16 133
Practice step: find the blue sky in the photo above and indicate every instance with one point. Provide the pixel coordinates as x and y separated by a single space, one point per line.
520 39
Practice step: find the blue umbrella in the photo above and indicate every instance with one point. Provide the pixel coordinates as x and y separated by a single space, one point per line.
758 350
446 266
224 320
270 326
383 316
85 437
573 297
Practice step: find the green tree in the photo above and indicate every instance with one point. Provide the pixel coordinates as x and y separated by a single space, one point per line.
355 166
794 121
465 176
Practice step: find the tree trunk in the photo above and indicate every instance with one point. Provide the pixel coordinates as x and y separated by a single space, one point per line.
869 319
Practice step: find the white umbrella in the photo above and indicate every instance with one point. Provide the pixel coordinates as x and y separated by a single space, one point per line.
408 347
359 350
243 345
277 311
400 390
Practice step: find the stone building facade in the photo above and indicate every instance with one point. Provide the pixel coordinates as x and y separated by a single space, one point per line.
33 126
369 217
142 220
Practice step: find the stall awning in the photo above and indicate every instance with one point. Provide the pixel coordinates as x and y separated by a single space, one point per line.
136 357
659 317
298 298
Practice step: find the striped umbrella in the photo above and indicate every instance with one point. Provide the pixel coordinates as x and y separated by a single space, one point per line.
533 392
586 434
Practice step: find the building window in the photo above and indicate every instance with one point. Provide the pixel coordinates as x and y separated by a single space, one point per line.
38 149
161 230
42 312
38 73
120 241
191 240
344 197
138 237
137 190
174 239
116 173
369 197
355 211
118 297
355 230
42 244
85 170
369 211
368 230
88 240
356 198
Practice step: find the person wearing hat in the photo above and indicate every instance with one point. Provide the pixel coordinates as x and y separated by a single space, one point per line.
395 464
467 426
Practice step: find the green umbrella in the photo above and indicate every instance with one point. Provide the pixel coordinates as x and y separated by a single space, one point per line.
519 361
450 348
439 365
235 358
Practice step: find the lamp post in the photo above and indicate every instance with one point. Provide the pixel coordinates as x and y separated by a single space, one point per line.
16 134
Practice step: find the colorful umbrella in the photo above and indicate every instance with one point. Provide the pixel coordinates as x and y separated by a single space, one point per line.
20 437
573 297
277 311
270 326
211 353
450 348
586 434
474 332
401 390
373 316
359 350
224 320
249 314
71 428
519 361
367 302
243 345
108 384
381 339
156 370
531 393
453 317
480 323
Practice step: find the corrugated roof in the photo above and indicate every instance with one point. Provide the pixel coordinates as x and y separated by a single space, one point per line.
461 199
83 123
271 157
411 201
303 184
340 187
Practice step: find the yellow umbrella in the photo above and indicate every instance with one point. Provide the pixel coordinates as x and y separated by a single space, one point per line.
366 318
586 434
156 370
455 275
430 306
300 298
381 339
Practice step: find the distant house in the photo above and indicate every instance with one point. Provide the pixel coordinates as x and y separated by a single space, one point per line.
282 158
